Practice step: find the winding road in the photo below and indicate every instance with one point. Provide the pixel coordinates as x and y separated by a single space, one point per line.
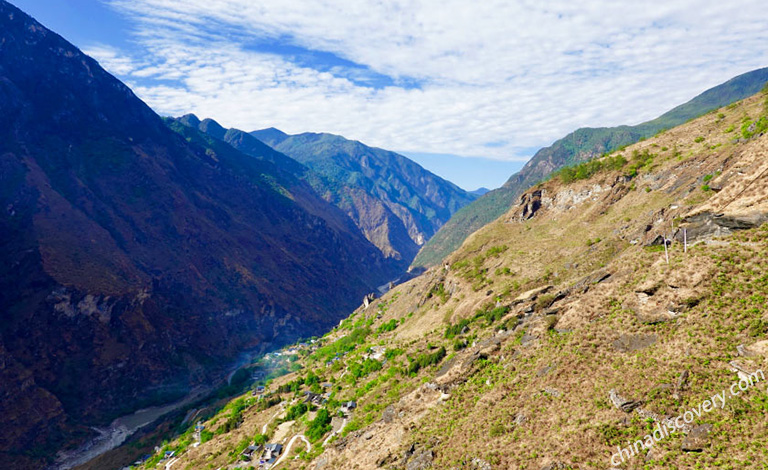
344 423
264 428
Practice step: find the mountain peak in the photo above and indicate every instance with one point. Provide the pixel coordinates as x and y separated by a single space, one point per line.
213 128
190 120
270 136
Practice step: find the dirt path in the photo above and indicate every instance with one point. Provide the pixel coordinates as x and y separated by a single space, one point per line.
264 428
341 428
288 448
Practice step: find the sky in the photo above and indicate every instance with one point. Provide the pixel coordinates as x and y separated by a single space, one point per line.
468 89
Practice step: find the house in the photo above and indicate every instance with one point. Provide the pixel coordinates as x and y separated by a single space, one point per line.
168 454
348 406
271 453
258 375
314 398
249 452
326 385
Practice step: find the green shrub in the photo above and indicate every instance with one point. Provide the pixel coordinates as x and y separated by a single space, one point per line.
295 412
452 330
587 169
387 326
426 360
319 426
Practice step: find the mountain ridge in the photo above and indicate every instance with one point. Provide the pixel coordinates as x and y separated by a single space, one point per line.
420 198
578 146
139 261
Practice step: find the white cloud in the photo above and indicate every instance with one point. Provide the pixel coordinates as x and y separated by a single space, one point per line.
522 73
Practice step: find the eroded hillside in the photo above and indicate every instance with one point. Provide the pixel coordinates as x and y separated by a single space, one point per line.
555 337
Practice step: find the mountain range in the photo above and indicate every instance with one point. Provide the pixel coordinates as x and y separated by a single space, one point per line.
613 318
578 146
139 257
395 203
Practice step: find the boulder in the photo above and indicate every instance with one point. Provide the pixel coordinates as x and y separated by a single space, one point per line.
624 404
420 460
697 439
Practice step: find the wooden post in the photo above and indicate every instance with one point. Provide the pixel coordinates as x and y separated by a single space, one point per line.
685 240
666 252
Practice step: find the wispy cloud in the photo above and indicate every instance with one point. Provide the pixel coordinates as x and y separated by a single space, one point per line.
468 78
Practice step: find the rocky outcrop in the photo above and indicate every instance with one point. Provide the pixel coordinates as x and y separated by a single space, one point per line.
697 439
707 225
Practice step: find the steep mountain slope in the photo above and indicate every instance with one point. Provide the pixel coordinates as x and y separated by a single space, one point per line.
578 146
421 201
558 335
136 263
373 217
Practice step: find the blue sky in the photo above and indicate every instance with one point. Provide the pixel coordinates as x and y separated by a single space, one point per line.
468 89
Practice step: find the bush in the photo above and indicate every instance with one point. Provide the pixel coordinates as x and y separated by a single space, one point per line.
587 169
319 426
426 360
358 370
295 412
452 330
491 315
387 326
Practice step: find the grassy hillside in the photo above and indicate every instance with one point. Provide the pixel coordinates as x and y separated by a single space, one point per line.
578 146
558 333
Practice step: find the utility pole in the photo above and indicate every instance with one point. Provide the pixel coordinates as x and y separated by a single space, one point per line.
198 433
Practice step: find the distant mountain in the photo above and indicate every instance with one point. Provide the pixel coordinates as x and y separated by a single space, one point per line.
578 146
480 191
139 257
390 194
372 216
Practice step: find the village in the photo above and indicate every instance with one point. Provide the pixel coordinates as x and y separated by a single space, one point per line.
289 396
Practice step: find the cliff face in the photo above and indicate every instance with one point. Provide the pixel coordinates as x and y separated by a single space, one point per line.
136 262
371 215
398 204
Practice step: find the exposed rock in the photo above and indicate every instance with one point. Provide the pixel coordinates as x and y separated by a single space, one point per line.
633 342
321 463
682 380
531 203
624 404
554 466
480 464
420 460
544 371
531 295
389 414
368 299
587 282
697 439
707 225
755 350
743 371
653 454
